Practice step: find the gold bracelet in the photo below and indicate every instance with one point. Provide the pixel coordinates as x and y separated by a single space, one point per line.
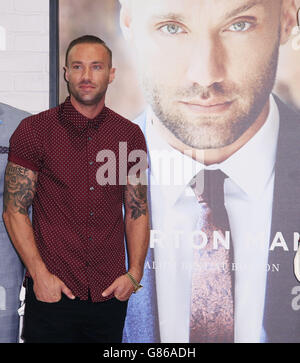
136 285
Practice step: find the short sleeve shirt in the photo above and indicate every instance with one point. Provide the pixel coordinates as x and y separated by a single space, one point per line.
77 209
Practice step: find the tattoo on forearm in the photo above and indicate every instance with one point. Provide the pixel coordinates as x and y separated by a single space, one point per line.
19 188
136 199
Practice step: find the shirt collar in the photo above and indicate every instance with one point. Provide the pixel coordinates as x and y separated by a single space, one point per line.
80 122
166 161
250 167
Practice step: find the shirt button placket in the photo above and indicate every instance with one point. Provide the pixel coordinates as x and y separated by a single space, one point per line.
91 197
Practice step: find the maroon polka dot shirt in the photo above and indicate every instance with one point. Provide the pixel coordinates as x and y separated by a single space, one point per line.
78 223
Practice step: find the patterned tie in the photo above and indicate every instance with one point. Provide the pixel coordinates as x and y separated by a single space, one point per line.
211 318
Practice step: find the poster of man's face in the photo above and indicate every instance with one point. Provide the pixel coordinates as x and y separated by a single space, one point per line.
214 86
103 19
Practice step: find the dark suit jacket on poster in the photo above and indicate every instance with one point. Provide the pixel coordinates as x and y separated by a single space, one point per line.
282 302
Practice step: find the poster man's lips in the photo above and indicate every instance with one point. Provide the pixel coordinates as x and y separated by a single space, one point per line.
208 107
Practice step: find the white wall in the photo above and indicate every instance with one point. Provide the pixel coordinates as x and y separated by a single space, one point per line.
24 64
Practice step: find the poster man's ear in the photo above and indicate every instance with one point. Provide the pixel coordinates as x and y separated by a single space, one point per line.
288 19
125 19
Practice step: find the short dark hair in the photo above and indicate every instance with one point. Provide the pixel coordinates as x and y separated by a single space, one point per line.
91 39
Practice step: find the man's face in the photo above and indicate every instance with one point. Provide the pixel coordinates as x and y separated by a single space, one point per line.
88 73
207 66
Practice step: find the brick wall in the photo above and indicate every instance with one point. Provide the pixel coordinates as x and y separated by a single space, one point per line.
24 64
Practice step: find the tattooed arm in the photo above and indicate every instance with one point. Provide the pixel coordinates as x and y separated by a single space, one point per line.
137 227
137 236
19 191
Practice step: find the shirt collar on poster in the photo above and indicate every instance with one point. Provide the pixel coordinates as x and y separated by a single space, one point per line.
250 168
163 158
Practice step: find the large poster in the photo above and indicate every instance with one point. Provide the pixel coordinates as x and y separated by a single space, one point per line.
215 87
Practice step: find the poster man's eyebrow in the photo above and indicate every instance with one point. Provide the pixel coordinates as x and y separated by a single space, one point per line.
172 16
243 8
169 17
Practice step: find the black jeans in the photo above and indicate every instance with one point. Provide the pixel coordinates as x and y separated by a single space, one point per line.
72 321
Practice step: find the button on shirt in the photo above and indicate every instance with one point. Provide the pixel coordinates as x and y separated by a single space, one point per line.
78 223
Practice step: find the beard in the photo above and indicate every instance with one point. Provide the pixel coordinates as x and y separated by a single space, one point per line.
205 131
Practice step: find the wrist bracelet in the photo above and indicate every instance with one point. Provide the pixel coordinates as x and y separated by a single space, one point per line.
136 285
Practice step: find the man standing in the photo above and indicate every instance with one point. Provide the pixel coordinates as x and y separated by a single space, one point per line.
11 267
208 68
77 286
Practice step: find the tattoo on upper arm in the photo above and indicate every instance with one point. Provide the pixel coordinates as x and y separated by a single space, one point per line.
19 188
136 199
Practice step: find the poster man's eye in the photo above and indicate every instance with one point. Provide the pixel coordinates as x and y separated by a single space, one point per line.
172 29
240 26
